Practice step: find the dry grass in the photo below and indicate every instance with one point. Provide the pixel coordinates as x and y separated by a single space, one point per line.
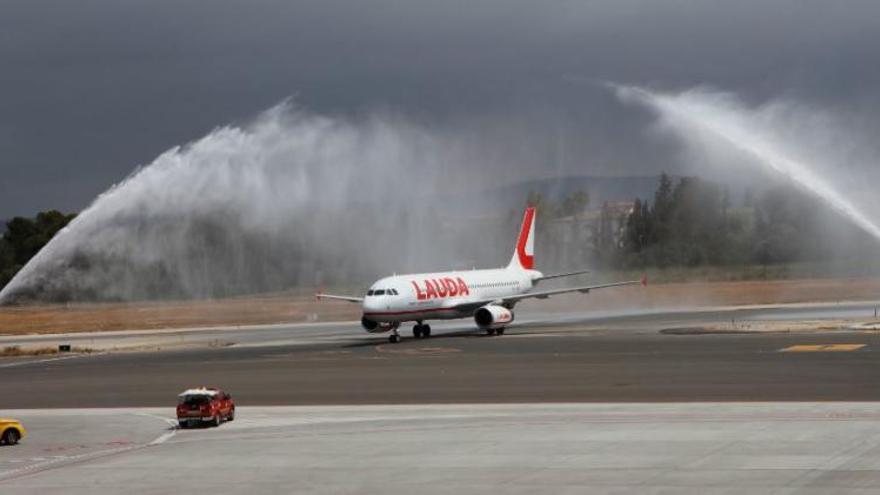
286 308
257 310
14 350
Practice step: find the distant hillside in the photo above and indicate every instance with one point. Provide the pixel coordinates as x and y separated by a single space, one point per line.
600 189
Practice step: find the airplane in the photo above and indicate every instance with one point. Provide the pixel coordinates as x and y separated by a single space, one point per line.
487 296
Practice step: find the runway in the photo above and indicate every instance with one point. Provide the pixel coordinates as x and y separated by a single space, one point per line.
654 357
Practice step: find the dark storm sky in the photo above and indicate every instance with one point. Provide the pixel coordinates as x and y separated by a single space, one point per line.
91 89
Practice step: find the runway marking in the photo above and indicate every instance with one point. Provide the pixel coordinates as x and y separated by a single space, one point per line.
822 348
42 464
164 438
41 361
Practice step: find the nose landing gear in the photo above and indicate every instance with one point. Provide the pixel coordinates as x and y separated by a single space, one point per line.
395 335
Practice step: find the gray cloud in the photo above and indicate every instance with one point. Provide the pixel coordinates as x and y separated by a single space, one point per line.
91 89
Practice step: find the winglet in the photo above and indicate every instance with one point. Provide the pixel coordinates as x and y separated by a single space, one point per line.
319 294
644 280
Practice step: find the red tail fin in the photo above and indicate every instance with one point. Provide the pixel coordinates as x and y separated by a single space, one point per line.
524 256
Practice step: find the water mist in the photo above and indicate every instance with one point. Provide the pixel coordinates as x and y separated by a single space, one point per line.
705 119
290 199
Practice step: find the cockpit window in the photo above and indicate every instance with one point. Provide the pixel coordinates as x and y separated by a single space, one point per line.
382 292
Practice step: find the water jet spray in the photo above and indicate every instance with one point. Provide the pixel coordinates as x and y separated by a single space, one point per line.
698 112
292 199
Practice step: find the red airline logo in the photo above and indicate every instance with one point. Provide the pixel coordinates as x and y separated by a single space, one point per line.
442 287
526 260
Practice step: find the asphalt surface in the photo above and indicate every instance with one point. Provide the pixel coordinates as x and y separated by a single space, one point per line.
560 358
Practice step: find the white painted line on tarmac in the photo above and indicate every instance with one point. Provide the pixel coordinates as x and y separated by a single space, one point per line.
55 462
40 361
163 438
58 462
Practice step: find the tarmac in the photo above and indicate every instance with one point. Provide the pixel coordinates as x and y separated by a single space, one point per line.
450 449
661 402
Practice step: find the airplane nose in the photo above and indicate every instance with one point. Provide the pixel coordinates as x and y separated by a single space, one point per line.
370 305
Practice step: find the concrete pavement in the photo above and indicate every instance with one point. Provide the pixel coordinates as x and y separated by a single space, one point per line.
548 448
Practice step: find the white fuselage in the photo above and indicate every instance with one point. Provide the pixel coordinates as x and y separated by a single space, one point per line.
440 295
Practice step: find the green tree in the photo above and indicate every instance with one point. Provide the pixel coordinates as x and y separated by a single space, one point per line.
544 208
638 227
662 209
603 234
692 225
25 237
575 203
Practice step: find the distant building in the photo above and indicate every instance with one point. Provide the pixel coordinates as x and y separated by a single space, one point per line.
580 232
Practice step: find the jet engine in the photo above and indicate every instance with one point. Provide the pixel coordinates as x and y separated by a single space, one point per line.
492 316
374 326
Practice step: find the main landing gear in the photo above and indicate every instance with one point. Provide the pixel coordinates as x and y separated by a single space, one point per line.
495 331
421 331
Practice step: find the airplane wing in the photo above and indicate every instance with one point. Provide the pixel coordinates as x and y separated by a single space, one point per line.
560 275
473 305
544 294
320 295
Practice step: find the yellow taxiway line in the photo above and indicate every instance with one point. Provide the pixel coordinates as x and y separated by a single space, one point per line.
822 348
